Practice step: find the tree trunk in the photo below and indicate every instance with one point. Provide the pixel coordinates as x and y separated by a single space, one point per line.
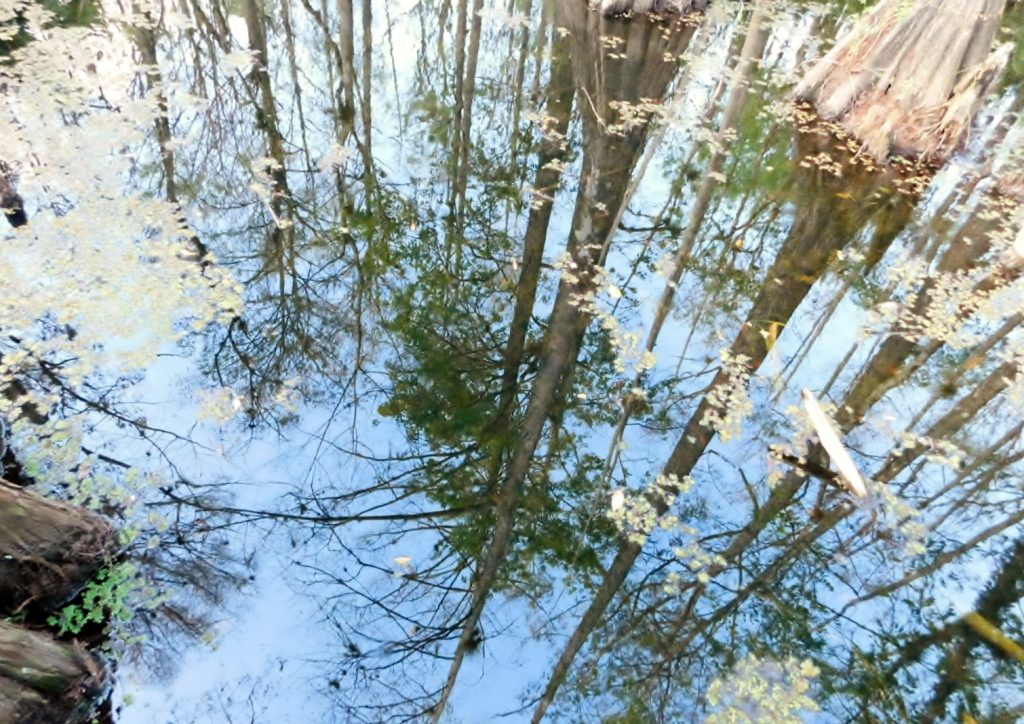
462 160
908 81
644 7
825 224
550 159
48 549
889 368
346 43
43 681
644 71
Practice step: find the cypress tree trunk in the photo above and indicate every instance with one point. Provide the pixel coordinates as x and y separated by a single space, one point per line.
907 80
43 681
643 7
48 550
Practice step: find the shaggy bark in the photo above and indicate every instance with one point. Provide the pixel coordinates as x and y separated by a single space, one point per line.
44 681
908 81
644 7
48 550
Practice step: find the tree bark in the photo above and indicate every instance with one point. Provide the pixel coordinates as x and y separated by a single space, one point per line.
907 81
645 7
43 681
48 549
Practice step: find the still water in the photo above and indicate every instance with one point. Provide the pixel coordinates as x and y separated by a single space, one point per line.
524 325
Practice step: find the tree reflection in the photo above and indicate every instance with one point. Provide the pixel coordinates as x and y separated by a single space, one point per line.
473 403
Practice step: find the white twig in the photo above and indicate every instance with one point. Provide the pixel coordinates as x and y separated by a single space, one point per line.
834 446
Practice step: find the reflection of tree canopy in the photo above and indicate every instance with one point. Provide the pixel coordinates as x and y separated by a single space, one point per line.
460 387
102 277
472 399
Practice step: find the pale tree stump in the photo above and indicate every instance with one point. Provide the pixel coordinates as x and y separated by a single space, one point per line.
908 78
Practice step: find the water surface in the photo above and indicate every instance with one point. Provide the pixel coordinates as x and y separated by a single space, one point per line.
516 249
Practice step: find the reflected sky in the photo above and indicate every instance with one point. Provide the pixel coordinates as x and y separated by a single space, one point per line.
532 296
